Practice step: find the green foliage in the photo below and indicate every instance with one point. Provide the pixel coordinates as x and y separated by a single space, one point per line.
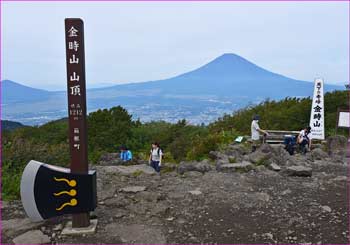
287 114
108 129
232 160
137 173
10 181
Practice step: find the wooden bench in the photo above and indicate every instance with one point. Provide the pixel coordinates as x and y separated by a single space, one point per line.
277 136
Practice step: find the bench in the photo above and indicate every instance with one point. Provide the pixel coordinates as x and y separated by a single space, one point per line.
277 136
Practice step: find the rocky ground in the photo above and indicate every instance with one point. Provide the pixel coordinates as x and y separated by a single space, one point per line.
236 197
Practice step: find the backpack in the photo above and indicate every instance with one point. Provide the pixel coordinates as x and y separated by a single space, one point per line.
158 151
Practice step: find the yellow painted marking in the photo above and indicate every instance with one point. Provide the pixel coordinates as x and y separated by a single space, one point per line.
72 193
71 183
73 202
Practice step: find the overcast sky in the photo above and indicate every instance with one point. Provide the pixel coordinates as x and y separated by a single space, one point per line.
142 41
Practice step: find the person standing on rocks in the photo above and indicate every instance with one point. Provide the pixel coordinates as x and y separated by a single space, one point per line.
255 132
304 140
155 157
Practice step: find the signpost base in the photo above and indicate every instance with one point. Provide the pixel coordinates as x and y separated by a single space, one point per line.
80 220
69 230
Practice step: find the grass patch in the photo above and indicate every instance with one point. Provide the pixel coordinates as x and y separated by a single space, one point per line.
232 160
137 173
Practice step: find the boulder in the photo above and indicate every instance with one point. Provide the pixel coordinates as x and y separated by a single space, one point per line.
236 167
32 237
195 192
113 159
219 163
125 170
336 146
279 155
13 226
326 209
217 155
133 189
318 154
265 148
201 167
236 151
299 171
110 159
258 157
274 167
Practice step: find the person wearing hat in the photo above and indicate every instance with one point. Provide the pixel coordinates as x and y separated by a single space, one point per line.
255 132
304 140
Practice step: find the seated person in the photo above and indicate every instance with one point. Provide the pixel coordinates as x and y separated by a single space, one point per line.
304 140
125 154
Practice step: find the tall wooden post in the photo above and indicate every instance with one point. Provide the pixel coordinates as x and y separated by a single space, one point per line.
76 90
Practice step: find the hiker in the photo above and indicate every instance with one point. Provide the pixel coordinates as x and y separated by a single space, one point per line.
125 154
256 130
155 157
304 140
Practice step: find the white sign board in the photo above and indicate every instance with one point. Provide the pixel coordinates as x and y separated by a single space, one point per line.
317 111
344 119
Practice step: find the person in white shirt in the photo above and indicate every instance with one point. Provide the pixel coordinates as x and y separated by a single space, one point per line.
304 140
155 157
255 132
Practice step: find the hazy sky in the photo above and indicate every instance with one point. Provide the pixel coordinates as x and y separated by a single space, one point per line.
142 41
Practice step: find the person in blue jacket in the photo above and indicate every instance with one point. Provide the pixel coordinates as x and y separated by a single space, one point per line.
125 154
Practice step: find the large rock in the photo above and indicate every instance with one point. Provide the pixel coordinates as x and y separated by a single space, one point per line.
201 167
318 154
110 159
258 157
299 171
113 159
126 170
32 237
265 148
236 151
273 166
133 189
14 226
336 146
236 167
279 155
217 155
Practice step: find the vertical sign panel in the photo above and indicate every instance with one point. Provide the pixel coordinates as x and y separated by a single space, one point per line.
317 111
75 58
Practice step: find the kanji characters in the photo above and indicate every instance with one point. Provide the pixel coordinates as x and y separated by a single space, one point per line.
75 90
73 60
72 32
74 77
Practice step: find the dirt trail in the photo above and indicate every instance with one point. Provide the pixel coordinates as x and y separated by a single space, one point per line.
259 206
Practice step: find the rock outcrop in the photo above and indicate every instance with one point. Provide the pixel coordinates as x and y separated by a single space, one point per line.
201 167
281 198
336 147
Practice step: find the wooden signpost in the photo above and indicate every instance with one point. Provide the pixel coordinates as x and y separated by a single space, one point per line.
76 90
48 191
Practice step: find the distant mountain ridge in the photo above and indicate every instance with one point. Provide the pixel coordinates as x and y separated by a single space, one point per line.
230 75
9 125
15 92
225 84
